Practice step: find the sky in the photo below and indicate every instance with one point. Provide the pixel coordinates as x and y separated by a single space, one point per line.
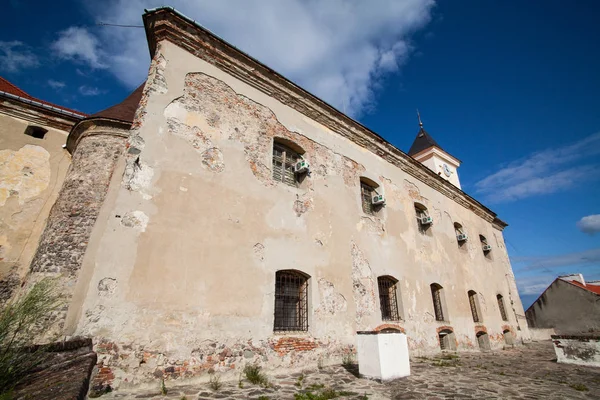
511 88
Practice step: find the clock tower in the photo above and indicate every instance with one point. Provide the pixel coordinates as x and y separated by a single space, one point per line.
426 150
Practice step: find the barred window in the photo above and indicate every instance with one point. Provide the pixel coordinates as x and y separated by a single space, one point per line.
473 301
284 159
291 301
387 298
436 294
501 307
366 195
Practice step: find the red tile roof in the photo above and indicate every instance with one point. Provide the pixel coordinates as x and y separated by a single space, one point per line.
591 288
6 86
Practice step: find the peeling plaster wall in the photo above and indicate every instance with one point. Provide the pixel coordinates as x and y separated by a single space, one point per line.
179 274
31 174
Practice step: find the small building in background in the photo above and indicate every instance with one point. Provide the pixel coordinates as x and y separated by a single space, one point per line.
570 305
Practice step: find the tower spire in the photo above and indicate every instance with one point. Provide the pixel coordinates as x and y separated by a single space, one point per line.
419 117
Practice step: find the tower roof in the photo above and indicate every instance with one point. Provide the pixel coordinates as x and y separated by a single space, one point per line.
422 141
125 110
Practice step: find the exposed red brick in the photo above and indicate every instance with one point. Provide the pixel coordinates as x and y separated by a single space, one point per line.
389 326
480 328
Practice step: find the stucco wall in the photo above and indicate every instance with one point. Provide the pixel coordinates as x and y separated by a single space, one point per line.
567 308
179 274
31 174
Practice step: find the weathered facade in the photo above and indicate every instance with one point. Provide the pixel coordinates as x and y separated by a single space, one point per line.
33 164
188 244
570 306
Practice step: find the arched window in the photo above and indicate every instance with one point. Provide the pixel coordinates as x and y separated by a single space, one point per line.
438 301
387 298
474 303
423 218
484 245
461 236
501 307
286 156
291 301
370 198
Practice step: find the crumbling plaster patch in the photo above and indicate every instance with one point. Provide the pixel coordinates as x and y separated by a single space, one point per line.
332 301
25 173
363 285
197 116
135 219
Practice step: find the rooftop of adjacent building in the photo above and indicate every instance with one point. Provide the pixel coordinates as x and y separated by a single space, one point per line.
10 90
579 281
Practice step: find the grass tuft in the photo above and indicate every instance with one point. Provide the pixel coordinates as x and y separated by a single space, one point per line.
215 382
255 376
579 387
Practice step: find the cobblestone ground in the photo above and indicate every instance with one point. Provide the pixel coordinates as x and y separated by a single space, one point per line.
526 372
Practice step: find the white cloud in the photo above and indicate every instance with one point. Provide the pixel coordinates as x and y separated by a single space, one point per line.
56 84
90 91
16 56
589 224
534 285
340 50
79 44
543 172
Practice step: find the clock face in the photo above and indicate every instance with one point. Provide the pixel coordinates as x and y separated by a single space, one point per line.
447 171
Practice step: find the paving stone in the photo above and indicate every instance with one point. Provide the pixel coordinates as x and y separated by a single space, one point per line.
527 372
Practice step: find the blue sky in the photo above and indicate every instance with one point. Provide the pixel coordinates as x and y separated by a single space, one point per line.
509 87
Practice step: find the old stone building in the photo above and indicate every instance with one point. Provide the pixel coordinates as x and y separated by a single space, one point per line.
570 305
33 165
237 218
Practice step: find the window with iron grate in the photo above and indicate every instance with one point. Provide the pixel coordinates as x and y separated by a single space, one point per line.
473 301
291 301
367 192
387 298
284 159
501 307
436 294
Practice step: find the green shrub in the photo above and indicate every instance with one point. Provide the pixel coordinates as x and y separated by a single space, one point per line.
20 320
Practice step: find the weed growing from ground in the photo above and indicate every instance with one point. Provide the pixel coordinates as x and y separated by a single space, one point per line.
348 359
579 387
215 382
299 381
255 376
163 388
322 394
